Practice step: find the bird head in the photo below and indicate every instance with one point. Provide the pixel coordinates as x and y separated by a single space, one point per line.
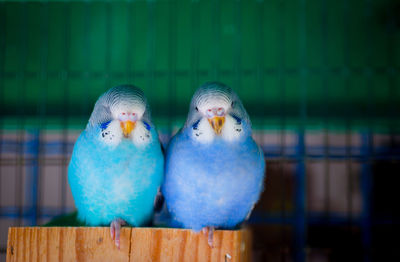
122 113
216 111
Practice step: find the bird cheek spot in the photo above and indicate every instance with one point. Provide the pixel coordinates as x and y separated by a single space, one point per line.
238 120
104 125
103 134
196 124
147 125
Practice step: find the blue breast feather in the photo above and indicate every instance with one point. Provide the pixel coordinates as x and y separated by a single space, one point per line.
213 184
120 182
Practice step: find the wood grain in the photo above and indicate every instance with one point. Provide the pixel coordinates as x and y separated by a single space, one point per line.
137 244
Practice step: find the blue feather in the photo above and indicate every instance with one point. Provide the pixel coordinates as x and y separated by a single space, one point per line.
196 124
104 125
213 184
238 120
109 183
147 125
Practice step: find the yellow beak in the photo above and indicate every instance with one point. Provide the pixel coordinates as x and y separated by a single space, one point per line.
217 123
127 127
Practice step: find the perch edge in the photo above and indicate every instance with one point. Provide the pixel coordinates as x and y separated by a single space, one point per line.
137 244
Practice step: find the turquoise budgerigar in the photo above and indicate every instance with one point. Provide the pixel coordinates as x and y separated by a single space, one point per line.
117 164
214 169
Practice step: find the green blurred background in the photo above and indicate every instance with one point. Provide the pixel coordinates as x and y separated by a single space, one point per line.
309 62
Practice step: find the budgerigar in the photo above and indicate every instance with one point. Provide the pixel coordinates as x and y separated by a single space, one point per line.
117 164
214 169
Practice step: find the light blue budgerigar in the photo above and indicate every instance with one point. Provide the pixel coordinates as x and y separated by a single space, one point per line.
214 169
117 164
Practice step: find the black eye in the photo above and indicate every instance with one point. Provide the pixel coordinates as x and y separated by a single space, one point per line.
197 108
232 104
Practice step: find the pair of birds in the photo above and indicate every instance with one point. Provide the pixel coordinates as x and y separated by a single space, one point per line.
212 176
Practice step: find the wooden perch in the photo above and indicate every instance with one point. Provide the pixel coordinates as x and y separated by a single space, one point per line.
137 244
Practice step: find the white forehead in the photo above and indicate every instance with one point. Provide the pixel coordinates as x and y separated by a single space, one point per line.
128 106
124 99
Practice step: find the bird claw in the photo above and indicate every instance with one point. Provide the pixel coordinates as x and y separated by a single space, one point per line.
209 233
115 231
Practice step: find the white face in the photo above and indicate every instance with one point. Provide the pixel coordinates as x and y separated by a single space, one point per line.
126 124
216 122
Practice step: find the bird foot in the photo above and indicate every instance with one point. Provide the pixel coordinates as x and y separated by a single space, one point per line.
209 232
115 231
